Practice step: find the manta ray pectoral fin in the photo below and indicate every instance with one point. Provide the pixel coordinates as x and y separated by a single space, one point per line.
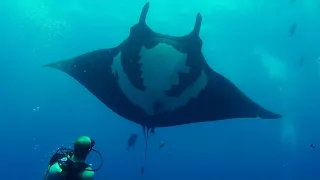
231 102
84 61
93 71
266 114
144 13
219 100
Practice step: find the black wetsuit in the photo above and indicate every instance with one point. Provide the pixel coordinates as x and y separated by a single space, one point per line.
72 169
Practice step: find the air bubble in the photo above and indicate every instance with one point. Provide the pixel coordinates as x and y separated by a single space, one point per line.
36 109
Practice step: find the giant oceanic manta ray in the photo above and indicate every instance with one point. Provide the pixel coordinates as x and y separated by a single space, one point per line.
158 80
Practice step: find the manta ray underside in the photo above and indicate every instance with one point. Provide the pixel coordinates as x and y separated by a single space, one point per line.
157 80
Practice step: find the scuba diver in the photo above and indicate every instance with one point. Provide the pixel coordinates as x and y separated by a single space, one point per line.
68 164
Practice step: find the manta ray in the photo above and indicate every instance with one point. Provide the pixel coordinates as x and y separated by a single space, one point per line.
157 80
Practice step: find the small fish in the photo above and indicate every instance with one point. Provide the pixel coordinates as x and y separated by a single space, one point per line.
152 131
161 144
293 29
312 146
301 60
142 170
132 141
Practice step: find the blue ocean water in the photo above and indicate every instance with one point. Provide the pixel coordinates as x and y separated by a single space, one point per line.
247 41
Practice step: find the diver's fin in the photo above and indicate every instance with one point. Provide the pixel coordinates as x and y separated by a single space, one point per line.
144 13
197 25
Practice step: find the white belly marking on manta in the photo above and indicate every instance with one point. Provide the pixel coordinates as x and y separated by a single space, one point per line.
160 67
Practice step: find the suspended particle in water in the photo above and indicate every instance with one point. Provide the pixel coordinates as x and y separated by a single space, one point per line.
281 88
318 63
161 144
36 109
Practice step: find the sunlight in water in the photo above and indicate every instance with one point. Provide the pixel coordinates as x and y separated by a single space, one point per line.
225 5
277 68
311 6
39 15
318 64
288 133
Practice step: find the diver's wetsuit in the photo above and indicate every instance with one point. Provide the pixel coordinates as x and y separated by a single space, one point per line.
60 169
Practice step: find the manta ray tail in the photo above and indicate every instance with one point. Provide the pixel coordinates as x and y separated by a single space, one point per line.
146 136
197 25
144 13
